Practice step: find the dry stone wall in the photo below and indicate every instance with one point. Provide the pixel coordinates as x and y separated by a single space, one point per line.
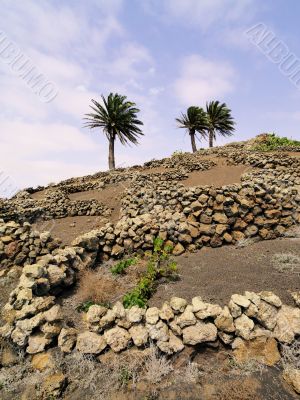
20 245
190 218
35 321
55 204
265 204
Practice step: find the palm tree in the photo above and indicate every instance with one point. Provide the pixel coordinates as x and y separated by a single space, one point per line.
219 120
193 121
117 117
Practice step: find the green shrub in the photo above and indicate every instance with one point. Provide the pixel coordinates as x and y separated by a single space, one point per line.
84 307
125 375
274 142
158 266
121 266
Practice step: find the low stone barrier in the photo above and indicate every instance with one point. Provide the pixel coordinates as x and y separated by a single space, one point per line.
34 320
20 245
55 204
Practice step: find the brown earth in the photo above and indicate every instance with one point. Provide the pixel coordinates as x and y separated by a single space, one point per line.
219 379
220 175
293 154
216 274
67 229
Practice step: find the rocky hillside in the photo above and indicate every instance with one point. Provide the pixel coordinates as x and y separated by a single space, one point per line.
112 239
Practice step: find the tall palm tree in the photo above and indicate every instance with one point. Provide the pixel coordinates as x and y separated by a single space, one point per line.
193 121
219 120
117 117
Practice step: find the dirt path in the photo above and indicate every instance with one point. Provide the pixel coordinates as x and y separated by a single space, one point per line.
216 274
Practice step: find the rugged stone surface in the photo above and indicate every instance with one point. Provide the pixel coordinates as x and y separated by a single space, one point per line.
117 338
67 339
199 333
288 324
42 361
139 335
224 321
54 385
90 343
178 304
292 377
261 349
243 326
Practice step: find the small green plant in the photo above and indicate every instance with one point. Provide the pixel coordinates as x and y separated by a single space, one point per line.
1 385
125 376
274 142
177 153
84 307
158 266
121 266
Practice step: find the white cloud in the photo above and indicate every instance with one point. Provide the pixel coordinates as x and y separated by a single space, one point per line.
45 142
38 138
132 59
154 91
53 27
206 13
202 80
36 153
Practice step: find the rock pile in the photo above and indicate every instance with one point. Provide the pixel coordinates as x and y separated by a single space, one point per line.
261 160
33 319
193 217
19 245
249 320
265 204
55 204
185 162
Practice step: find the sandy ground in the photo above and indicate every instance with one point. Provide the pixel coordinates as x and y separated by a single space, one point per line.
220 175
216 274
67 229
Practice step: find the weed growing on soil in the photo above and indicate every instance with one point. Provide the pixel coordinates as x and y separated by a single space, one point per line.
122 265
191 373
291 355
179 153
84 307
287 263
95 289
159 265
156 366
245 368
101 380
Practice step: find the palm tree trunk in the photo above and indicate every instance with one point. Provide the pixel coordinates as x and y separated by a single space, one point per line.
111 153
211 138
193 140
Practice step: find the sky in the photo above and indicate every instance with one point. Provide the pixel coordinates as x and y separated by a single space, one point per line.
165 55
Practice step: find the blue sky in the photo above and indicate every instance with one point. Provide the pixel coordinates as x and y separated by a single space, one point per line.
163 54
